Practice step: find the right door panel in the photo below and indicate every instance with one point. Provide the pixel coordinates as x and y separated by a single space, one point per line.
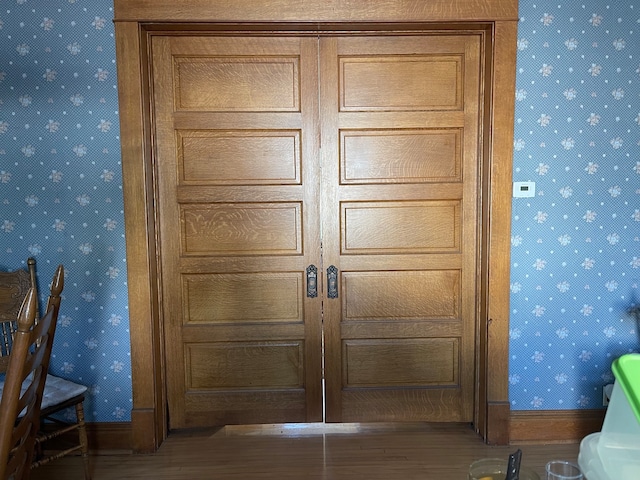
400 143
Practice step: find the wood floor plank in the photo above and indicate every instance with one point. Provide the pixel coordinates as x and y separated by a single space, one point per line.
310 451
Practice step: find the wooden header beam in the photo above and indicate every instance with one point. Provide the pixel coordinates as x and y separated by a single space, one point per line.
304 11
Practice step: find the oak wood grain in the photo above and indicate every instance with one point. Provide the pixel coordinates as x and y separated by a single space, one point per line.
415 451
146 343
325 11
386 86
352 17
243 338
499 226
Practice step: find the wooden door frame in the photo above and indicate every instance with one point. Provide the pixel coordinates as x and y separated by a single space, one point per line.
137 20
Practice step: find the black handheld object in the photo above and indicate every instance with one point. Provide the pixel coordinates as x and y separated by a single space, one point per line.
513 466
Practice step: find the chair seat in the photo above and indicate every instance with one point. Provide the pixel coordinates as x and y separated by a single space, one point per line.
56 390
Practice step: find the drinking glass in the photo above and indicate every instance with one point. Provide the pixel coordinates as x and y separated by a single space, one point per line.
563 470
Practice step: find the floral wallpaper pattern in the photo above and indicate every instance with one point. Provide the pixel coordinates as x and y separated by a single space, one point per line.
576 244
60 184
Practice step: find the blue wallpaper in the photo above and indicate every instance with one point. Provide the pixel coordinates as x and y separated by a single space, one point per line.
575 245
61 187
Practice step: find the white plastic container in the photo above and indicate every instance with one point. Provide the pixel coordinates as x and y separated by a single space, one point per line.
614 453
589 459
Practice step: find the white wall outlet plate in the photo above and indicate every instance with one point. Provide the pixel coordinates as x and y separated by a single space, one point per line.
524 189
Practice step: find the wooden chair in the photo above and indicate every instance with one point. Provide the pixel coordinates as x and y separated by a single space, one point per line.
13 289
58 393
24 383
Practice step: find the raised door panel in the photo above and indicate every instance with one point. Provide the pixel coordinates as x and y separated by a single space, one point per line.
241 228
236 134
260 157
400 82
400 156
400 227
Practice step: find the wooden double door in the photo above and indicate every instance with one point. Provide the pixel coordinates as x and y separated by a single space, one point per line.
317 198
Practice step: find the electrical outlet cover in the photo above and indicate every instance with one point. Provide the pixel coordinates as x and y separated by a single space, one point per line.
524 189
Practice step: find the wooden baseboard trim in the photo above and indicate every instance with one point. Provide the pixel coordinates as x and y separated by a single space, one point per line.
549 426
110 436
554 426
498 423
144 430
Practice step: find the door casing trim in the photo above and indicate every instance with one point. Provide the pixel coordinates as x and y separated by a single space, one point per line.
149 414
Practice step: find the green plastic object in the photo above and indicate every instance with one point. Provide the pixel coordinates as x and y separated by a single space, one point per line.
627 371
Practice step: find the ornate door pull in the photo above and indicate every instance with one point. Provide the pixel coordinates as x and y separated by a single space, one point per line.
332 282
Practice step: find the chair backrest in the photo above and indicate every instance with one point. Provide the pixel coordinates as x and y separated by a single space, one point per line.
25 380
13 289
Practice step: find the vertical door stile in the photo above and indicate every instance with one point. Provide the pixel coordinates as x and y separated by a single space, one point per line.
169 220
330 219
311 224
471 215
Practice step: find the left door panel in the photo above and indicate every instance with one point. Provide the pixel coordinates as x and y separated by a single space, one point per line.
237 173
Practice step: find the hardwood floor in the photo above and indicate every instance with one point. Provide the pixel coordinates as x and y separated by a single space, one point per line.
309 451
